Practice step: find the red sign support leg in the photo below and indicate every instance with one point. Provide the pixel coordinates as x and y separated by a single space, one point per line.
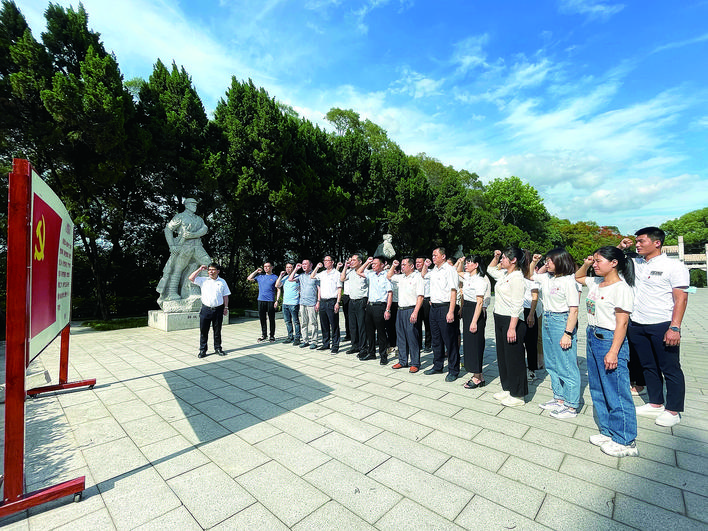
63 371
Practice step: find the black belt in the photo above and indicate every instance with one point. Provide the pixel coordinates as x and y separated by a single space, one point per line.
213 307
405 308
440 304
327 300
377 304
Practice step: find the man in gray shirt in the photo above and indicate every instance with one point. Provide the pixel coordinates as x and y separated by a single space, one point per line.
308 300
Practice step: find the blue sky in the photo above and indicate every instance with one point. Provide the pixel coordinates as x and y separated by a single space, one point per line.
601 106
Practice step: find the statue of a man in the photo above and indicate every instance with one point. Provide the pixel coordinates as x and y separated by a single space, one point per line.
183 234
385 248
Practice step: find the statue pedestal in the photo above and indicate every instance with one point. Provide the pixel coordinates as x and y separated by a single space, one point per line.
169 322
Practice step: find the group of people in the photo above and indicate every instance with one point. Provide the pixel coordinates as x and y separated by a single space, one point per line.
634 307
384 307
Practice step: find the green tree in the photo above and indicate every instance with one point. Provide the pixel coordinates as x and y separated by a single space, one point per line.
96 140
344 121
582 238
519 204
693 226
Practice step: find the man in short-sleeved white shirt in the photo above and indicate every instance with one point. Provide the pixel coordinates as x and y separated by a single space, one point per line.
215 305
444 283
329 294
410 300
654 329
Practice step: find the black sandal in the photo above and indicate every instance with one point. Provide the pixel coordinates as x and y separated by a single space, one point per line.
471 384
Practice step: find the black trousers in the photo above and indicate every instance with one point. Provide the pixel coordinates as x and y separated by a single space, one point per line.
267 308
444 339
661 364
424 317
510 357
345 309
376 326
473 344
357 323
391 326
531 341
329 323
210 317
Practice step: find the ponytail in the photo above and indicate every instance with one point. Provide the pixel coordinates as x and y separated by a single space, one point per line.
625 265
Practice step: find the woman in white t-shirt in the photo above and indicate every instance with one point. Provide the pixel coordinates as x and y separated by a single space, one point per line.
509 324
609 302
476 294
560 297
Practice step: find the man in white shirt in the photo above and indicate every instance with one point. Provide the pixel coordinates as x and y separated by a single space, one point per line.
358 291
655 324
444 282
215 305
378 310
410 302
329 294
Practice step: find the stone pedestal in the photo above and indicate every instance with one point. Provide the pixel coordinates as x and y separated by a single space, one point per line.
169 322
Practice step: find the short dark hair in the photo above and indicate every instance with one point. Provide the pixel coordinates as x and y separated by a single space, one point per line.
359 256
565 265
442 250
215 266
410 259
653 233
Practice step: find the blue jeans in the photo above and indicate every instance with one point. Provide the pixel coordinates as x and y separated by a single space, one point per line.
291 316
611 396
561 364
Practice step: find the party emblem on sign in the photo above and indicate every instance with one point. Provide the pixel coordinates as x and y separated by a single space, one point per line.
41 236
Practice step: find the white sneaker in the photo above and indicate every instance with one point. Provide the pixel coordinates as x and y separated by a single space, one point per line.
647 410
501 395
511 401
599 439
552 405
667 419
620 450
565 413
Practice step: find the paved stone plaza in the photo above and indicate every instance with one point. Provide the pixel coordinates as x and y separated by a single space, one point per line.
275 437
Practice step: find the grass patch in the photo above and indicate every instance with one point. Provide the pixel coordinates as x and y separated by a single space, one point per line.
117 324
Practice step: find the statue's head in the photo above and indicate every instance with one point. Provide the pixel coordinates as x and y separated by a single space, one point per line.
388 237
190 204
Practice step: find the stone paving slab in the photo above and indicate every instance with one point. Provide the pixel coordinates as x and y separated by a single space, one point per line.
275 437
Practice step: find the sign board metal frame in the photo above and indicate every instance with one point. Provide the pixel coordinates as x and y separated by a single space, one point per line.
18 348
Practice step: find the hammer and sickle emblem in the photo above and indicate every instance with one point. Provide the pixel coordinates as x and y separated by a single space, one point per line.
41 234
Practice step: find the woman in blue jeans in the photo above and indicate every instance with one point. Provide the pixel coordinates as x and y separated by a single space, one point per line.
609 302
560 297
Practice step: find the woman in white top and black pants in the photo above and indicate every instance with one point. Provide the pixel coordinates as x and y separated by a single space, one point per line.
509 324
476 294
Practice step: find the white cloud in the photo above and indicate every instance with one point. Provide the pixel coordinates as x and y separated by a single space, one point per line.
469 53
681 44
416 85
594 9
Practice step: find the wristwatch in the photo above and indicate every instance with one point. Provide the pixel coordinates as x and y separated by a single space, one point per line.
675 329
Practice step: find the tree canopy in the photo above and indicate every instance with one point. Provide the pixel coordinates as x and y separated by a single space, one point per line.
124 155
